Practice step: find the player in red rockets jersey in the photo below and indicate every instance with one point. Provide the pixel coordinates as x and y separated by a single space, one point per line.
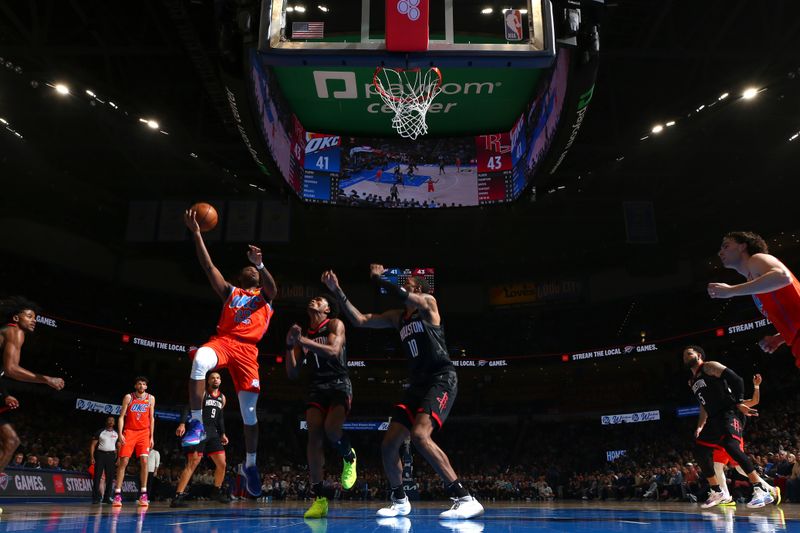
136 426
246 313
772 285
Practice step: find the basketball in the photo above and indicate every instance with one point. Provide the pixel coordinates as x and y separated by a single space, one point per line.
206 216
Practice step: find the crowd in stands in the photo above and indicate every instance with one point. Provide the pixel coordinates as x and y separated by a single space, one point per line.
521 460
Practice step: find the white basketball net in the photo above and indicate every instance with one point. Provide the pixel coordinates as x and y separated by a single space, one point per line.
409 93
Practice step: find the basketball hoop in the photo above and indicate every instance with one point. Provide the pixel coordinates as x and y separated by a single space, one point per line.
409 93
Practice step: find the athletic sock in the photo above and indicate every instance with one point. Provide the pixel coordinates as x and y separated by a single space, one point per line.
344 448
716 488
197 414
250 460
457 489
144 490
398 493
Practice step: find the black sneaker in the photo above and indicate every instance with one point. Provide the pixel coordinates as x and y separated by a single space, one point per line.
179 500
96 502
220 495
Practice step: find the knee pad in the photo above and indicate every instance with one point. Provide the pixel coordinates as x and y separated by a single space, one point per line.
247 405
204 360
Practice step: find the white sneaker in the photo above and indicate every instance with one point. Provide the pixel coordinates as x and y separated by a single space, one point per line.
463 509
714 498
462 526
397 508
760 498
727 500
396 523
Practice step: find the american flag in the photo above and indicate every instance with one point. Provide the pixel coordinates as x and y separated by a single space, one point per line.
308 30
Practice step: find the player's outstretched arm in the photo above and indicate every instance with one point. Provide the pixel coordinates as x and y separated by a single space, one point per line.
752 402
14 338
268 284
421 301
218 283
389 319
769 274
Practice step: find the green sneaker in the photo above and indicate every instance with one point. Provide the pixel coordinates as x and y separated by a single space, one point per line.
349 475
318 509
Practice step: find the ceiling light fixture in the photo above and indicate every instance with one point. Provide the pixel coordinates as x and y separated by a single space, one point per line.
750 93
61 89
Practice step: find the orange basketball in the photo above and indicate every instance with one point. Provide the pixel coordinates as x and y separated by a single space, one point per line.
206 215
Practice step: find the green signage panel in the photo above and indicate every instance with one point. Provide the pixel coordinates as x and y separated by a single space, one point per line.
342 100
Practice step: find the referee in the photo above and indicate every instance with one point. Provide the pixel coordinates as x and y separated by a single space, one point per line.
103 456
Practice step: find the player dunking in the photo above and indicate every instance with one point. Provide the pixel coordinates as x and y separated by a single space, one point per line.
432 391
245 317
213 446
720 393
136 427
19 320
774 288
323 352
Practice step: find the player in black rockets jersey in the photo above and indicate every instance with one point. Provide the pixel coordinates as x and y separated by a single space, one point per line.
212 446
720 393
322 352
432 391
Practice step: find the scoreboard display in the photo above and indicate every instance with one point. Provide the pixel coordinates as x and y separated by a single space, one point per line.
398 276
322 162
318 186
495 161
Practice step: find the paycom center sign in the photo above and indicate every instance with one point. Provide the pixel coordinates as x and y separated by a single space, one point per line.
472 101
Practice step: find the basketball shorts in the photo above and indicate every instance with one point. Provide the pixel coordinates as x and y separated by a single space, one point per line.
212 445
720 427
434 397
241 360
137 442
326 399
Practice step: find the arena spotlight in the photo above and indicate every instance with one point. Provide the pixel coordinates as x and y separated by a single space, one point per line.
4 121
487 11
90 93
289 9
670 123
61 89
152 124
750 93
793 137
658 128
723 96
300 9
324 9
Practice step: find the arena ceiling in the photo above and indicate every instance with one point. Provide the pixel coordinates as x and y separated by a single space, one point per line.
727 165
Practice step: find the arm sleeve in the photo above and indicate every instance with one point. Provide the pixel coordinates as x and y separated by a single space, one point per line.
736 384
221 422
391 288
184 414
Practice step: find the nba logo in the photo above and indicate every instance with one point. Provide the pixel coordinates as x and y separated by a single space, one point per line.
513 20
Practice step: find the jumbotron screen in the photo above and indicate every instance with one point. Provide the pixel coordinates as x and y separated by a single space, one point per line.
398 173
398 276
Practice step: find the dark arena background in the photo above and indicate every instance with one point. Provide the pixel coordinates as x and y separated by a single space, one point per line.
583 161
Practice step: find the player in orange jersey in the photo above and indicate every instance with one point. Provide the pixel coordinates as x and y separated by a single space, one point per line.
136 426
246 312
774 288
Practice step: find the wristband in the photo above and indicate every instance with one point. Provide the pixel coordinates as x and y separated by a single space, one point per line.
757 387
260 266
